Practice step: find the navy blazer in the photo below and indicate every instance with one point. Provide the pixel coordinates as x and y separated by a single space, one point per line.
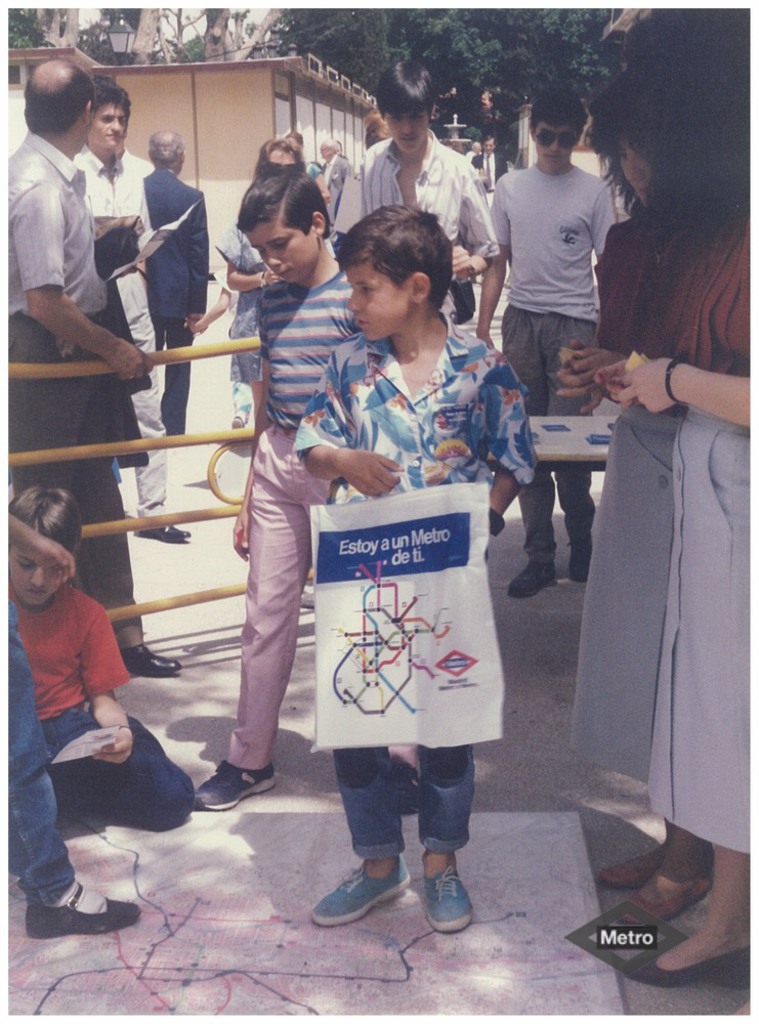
178 272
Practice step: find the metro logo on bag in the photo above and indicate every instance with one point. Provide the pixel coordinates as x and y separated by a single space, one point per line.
406 650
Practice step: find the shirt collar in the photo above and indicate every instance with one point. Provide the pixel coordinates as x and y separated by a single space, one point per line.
456 347
65 167
96 165
429 160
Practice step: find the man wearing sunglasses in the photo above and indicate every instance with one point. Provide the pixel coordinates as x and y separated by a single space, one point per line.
549 220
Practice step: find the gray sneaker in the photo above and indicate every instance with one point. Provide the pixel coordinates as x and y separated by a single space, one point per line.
230 785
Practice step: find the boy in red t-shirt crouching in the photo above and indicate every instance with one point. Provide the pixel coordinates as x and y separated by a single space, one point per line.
76 666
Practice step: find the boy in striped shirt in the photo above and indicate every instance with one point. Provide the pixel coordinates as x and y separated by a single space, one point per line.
303 316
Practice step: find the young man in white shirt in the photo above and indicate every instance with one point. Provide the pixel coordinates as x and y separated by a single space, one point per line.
412 168
114 189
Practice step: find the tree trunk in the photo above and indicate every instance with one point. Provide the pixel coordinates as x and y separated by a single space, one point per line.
146 35
215 38
269 21
50 18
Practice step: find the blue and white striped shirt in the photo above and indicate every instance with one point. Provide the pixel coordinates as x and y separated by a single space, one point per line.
299 327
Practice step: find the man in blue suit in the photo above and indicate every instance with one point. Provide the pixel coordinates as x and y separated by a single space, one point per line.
178 272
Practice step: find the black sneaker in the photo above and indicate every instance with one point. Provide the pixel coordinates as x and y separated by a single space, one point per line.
532 579
230 785
579 562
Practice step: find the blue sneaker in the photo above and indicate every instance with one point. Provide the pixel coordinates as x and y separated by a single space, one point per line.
446 902
230 785
358 894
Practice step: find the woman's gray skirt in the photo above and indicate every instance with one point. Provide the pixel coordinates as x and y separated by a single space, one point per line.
700 757
626 596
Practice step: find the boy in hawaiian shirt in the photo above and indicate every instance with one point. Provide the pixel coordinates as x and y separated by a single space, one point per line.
411 402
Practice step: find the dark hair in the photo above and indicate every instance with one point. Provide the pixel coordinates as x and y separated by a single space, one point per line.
286 144
54 102
52 512
405 88
398 241
559 106
683 101
291 194
109 93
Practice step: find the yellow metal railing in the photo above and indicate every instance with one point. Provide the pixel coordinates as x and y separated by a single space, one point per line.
229 439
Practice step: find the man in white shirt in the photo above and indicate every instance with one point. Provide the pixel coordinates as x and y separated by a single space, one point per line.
54 298
115 189
412 168
549 219
476 150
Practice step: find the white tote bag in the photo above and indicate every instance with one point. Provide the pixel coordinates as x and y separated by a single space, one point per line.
406 647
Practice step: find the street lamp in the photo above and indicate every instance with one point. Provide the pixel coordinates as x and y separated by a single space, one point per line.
122 37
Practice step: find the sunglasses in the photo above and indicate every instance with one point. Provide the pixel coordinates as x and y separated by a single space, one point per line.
546 137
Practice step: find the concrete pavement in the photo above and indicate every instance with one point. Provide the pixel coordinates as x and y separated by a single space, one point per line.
529 785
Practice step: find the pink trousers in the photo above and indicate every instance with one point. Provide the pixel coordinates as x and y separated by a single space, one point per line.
280 558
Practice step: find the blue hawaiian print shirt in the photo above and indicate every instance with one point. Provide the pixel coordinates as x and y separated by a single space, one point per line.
471 410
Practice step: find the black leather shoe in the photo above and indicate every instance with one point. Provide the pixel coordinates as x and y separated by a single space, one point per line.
168 534
579 562
532 579
731 970
140 661
51 922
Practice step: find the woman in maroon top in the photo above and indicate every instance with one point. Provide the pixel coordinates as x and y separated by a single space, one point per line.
674 286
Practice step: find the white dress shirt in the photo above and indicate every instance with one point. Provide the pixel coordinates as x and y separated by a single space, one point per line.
51 237
447 187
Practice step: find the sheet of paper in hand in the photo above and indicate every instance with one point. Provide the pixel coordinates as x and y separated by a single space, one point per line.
406 647
151 242
87 744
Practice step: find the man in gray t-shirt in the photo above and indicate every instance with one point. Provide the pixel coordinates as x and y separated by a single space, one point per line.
549 219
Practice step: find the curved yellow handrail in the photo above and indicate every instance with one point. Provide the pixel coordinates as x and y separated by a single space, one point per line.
213 483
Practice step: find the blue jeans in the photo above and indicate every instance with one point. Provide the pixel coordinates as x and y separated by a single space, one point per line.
147 791
37 854
367 786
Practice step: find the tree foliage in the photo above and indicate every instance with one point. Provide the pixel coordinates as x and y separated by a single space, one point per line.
354 42
24 30
486 62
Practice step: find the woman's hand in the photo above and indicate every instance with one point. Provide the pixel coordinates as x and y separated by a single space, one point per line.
645 386
586 375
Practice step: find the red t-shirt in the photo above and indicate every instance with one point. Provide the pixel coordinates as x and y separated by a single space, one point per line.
72 651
